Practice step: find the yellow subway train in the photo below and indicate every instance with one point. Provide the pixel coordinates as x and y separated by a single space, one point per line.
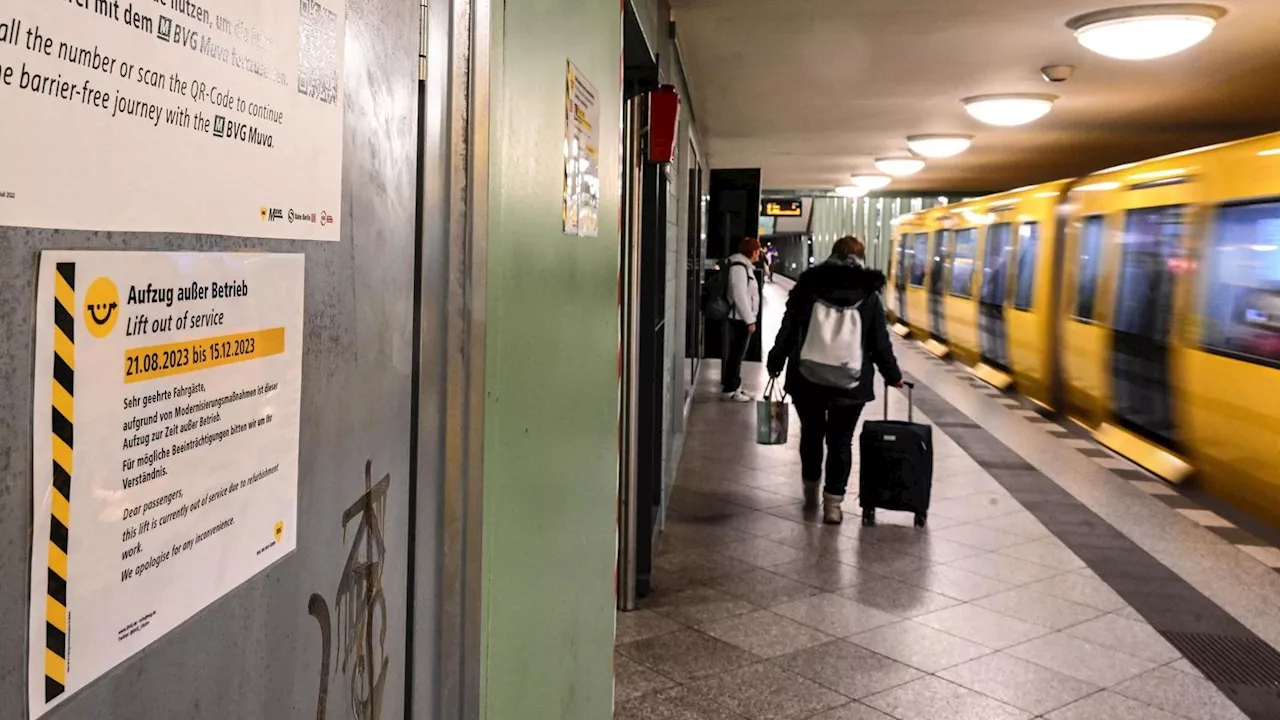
1142 301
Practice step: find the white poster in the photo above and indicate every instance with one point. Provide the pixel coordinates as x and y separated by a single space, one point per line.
581 212
167 392
173 116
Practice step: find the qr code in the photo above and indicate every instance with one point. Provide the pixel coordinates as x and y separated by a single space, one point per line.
318 52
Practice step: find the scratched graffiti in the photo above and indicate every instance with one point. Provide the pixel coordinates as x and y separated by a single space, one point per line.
360 607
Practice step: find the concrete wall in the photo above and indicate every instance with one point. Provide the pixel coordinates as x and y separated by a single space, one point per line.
551 413
256 653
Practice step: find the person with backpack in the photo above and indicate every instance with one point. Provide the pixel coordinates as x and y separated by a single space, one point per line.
741 297
833 337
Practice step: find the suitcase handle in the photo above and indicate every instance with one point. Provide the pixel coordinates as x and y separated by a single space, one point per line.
911 403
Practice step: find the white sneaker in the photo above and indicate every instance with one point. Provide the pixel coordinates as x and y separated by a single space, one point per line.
736 396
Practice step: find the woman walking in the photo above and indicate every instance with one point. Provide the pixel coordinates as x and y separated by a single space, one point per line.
832 339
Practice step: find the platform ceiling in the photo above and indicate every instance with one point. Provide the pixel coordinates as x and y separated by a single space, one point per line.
813 90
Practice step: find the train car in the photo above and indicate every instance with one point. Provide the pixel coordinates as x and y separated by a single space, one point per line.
1143 301
1171 316
911 251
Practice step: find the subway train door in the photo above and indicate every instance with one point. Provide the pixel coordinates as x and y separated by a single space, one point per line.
995 272
900 278
938 285
1143 323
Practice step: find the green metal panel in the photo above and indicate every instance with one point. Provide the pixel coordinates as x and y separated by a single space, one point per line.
551 410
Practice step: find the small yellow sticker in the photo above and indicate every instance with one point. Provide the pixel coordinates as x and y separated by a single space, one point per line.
279 530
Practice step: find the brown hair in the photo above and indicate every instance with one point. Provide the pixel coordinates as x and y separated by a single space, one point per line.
847 247
748 246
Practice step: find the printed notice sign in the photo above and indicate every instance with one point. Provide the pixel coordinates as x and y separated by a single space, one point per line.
167 394
581 211
173 116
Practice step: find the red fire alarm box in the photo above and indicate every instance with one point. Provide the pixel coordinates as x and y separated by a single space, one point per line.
664 121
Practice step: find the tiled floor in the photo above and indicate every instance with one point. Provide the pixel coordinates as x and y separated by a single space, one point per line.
761 612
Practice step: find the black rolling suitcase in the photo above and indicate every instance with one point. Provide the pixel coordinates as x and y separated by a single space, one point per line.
896 466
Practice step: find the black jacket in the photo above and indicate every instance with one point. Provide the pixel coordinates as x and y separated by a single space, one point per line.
841 285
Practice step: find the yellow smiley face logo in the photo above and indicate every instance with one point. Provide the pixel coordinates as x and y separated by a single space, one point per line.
101 307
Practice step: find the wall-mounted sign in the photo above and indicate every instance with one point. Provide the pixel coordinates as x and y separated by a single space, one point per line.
782 208
581 211
167 396
198 117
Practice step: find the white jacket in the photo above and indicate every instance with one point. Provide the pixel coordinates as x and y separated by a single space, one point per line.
744 293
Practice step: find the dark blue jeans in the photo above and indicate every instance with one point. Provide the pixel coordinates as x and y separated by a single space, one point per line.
736 337
825 423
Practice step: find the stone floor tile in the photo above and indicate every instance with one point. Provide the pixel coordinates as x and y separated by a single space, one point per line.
1023 524
980 537
631 679
760 524
977 507
953 582
763 588
932 698
980 625
1046 551
1081 589
1081 659
938 550
814 539
641 624
1019 683
677 704
701 606
919 646
689 534
1006 569
1181 694
852 711
823 572
898 598
766 634
1133 638
848 669
835 615
1185 667
695 566
761 552
686 655
768 692
1039 608
1109 706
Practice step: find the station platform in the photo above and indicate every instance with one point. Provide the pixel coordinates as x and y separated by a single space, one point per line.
1054 581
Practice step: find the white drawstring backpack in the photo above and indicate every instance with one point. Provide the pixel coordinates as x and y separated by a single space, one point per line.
832 350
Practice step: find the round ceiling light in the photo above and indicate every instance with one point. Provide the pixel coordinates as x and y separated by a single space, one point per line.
851 191
1009 109
939 146
1146 32
871 182
899 166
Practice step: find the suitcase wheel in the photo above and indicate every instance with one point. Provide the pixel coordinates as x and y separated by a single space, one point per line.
921 519
868 517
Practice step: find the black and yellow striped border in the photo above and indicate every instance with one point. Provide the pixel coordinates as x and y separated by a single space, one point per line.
64 363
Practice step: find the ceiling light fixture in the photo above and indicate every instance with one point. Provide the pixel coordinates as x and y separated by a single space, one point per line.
899 166
851 191
871 182
1146 32
939 146
1009 109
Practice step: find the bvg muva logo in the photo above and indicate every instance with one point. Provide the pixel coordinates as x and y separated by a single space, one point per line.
101 307
270 214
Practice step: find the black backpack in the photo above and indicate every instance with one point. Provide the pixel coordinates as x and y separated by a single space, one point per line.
715 294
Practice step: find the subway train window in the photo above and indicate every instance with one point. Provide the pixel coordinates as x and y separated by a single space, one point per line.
1087 269
962 268
1028 243
919 258
1242 283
